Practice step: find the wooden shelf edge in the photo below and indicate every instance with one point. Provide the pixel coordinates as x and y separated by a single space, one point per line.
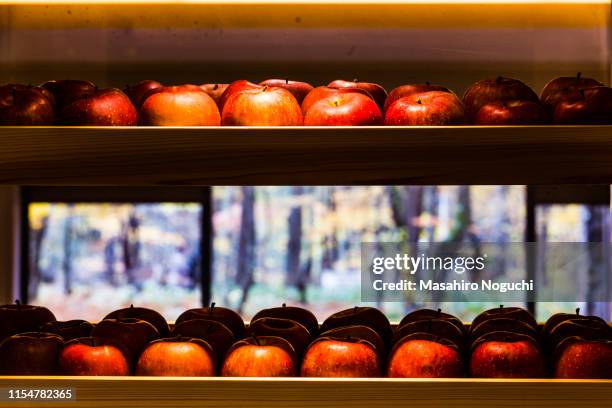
158 392
73 156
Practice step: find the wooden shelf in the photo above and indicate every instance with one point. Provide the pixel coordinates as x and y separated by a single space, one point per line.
299 392
306 156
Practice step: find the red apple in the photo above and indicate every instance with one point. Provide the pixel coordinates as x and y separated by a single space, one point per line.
43 91
590 106
177 357
511 113
420 358
558 318
142 313
428 314
228 317
297 314
581 358
330 357
344 109
562 88
137 92
93 356
495 90
33 353
236 86
67 90
68 330
411 89
214 333
266 106
297 335
378 92
322 92
436 328
364 316
18 318
215 91
25 106
100 107
298 89
506 355
508 312
265 356
182 105
133 334
434 108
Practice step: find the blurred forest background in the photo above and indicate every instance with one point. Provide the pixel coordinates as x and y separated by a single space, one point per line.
273 245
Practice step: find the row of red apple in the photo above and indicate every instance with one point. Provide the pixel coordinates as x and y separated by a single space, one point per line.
276 102
504 342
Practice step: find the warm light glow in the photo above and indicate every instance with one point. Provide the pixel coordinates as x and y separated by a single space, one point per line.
344 2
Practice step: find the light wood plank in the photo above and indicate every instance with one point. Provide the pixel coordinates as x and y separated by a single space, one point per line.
307 156
325 393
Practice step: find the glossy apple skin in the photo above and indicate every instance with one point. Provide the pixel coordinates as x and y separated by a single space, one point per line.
262 107
69 330
342 359
215 91
236 86
379 94
137 92
133 334
495 90
344 109
81 359
182 105
322 92
562 88
501 359
102 107
511 113
142 313
434 108
298 89
250 360
176 358
585 359
30 354
411 89
25 106
425 359
67 90
591 106
18 318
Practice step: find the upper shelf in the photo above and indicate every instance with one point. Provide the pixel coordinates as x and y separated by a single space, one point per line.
73 156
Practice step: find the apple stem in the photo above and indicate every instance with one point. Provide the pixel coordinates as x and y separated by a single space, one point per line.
498 80
355 309
427 83
578 75
131 306
215 87
256 340
18 303
212 306
286 80
419 101
578 311
14 96
284 305
439 311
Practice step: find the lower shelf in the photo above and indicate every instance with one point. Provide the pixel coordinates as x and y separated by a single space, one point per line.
158 392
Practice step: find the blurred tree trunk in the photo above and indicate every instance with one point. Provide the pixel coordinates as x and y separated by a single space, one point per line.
598 230
67 247
36 244
330 241
130 243
297 272
246 245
